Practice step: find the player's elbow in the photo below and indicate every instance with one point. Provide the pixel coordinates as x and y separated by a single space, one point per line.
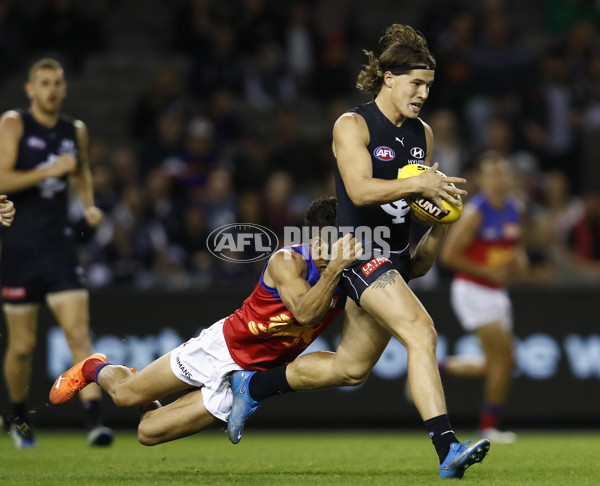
418 269
306 316
359 198
306 320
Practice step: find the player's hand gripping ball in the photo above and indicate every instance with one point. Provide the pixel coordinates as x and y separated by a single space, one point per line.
425 209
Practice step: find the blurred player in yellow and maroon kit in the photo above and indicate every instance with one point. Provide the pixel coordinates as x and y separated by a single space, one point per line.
484 250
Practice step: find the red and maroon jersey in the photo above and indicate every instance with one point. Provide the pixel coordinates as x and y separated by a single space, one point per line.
263 334
496 238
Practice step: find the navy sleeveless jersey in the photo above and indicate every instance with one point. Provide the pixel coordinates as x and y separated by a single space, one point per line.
391 148
42 209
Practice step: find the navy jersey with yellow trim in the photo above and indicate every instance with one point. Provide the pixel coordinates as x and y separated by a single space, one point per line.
42 209
391 148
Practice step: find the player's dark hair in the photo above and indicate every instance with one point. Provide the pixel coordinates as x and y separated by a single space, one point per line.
45 63
488 156
321 212
402 46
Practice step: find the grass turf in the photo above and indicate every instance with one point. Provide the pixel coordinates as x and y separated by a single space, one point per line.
293 458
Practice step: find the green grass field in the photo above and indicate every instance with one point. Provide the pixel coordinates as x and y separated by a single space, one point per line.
292 458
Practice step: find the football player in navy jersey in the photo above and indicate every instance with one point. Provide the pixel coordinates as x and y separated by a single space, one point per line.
370 144
41 153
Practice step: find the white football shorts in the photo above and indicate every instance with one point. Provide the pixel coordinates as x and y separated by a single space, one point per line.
204 361
477 305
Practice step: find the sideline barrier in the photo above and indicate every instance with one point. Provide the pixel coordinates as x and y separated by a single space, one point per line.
556 383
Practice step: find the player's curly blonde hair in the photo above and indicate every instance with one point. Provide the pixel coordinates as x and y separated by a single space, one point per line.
402 47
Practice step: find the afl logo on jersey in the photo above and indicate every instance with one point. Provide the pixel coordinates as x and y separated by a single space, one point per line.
417 152
36 143
384 153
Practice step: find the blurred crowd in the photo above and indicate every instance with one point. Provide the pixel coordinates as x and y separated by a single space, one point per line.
244 134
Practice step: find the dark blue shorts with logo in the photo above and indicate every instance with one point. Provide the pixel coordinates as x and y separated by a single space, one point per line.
362 273
29 272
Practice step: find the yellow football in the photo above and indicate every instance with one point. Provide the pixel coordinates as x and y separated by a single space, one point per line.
423 208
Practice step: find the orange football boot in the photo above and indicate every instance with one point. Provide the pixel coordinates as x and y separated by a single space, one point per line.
72 381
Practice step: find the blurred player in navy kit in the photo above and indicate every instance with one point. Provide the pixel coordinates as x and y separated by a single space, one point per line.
41 153
371 143
484 248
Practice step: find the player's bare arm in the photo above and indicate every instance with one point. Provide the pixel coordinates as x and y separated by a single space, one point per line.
11 180
286 271
82 178
7 211
427 251
520 268
350 141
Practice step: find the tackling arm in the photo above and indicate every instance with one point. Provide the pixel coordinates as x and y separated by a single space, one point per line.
286 271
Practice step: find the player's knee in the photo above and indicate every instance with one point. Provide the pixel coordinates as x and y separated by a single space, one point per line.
145 437
79 341
352 376
503 356
423 335
23 350
509 359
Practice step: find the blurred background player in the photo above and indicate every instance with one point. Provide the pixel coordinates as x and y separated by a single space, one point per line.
484 249
41 152
370 144
296 299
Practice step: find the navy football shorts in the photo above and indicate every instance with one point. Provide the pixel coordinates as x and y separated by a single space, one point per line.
28 273
362 273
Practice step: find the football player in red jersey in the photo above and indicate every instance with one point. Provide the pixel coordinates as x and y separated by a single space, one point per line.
486 251
296 298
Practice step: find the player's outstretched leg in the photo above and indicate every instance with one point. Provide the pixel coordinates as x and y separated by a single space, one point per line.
243 405
75 379
463 455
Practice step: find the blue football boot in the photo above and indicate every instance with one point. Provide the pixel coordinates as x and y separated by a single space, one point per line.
243 405
461 456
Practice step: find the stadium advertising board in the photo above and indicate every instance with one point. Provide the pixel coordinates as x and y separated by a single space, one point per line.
558 361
